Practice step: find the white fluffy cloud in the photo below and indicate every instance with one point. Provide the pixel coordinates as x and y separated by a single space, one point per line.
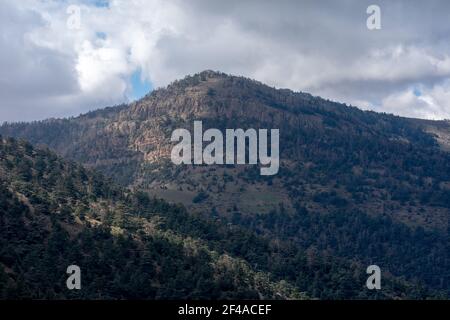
321 47
431 103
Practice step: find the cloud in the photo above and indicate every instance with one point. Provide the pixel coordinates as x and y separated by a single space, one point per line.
427 103
320 47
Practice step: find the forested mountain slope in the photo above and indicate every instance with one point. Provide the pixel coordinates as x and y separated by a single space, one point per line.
55 213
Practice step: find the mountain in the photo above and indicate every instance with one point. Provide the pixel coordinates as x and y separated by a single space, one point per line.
354 186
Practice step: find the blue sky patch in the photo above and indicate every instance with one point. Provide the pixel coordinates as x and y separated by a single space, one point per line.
101 35
140 86
101 3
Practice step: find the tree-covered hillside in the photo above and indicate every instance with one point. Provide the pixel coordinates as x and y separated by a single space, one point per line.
55 213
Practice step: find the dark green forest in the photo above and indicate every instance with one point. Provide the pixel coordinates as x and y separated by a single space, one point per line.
55 213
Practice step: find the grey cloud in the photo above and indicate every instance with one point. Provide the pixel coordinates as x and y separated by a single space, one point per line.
322 47
31 75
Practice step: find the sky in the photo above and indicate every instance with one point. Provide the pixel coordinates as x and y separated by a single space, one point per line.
61 58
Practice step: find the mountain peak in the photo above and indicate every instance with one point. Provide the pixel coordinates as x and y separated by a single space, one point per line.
212 74
217 94
198 78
